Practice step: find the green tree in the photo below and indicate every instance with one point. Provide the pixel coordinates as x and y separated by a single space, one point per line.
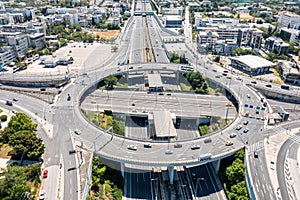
13 185
240 154
63 42
239 191
18 122
180 31
236 172
28 143
203 130
110 81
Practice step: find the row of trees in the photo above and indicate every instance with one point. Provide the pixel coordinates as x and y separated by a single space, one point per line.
20 135
106 182
232 174
197 82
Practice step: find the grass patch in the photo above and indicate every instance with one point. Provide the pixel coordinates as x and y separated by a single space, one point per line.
106 121
123 86
278 77
185 87
4 151
216 123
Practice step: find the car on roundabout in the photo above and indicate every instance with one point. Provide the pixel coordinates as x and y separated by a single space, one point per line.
147 145
195 146
132 147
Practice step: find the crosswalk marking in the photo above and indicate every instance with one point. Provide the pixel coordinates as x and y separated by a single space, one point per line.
256 146
295 138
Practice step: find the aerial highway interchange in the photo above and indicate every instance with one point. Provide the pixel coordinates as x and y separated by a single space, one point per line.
141 52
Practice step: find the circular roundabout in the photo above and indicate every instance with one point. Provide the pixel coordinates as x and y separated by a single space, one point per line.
163 147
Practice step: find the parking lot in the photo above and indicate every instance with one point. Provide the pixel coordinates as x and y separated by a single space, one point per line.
85 56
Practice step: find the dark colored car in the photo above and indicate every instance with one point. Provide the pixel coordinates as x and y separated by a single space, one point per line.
45 173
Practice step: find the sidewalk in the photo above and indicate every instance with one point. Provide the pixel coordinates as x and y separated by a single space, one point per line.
272 147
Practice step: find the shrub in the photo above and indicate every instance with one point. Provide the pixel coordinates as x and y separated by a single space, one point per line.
3 118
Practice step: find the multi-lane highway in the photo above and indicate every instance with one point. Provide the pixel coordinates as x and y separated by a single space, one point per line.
185 105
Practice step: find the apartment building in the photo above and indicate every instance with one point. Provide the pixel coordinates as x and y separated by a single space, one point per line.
291 35
7 55
172 11
289 72
37 40
209 22
288 20
19 42
277 45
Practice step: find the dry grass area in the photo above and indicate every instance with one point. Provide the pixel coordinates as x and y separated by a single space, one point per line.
107 34
4 151
246 16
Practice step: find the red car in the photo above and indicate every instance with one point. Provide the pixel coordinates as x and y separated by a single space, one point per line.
45 173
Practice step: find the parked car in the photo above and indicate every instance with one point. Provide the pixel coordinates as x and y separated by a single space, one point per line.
269 85
245 122
45 173
42 195
255 154
232 135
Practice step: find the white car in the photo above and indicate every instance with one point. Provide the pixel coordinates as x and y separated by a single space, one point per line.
239 127
232 135
132 147
42 195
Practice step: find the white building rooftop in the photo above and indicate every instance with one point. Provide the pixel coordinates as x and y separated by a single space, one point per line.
253 62
163 124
